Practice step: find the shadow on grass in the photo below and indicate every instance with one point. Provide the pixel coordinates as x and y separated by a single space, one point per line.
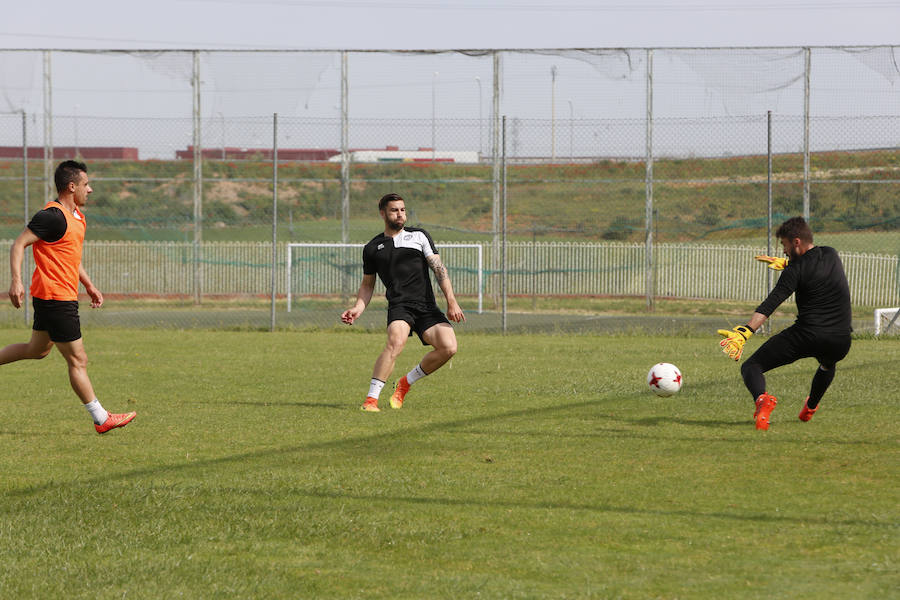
747 425
663 420
767 517
599 433
457 426
269 403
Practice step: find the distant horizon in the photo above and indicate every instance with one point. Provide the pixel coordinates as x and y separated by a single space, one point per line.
410 25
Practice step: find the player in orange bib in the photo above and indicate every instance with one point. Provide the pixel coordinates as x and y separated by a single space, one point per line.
56 235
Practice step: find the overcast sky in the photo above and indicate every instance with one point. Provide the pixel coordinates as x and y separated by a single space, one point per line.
435 24
89 89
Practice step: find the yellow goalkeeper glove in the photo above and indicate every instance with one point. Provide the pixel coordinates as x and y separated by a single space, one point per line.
774 263
733 344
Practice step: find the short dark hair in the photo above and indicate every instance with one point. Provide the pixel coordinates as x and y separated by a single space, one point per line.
795 227
68 171
389 198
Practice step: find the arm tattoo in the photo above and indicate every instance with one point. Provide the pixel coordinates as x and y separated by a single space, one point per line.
440 271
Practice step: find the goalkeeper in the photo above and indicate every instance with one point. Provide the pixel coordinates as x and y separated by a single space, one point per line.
815 275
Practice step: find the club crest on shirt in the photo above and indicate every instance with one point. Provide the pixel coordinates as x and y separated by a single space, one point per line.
407 237
380 247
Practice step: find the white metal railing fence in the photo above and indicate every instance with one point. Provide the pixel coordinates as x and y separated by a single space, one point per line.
704 271
167 268
540 269
317 268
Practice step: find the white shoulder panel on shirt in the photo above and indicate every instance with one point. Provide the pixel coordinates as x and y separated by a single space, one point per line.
413 240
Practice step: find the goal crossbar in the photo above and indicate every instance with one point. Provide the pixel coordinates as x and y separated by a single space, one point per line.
290 263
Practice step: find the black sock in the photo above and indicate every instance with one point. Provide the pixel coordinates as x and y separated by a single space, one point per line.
821 380
754 378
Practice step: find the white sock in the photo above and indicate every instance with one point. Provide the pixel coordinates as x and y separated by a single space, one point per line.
98 413
415 375
375 387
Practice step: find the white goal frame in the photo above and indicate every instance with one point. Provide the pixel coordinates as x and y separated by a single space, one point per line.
292 245
882 313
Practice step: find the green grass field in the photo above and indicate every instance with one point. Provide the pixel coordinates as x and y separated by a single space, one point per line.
531 467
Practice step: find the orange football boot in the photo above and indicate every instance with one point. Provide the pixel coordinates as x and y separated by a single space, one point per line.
807 413
112 421
399 393
765 404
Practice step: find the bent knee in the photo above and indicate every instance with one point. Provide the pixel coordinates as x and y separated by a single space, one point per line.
37 350
749 366
77 361
448 350
38 353
394 349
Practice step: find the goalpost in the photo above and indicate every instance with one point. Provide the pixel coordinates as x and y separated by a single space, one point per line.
328 271
885 319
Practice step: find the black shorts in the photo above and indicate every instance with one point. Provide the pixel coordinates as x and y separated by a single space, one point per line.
420 318
795 343
59 318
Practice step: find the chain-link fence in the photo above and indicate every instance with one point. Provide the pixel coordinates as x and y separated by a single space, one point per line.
642 173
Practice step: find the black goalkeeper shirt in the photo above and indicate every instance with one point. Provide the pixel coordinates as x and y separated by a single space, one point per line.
821 290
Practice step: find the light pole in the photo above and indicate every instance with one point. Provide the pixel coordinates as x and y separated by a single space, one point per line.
571 131
553 113
222 119
76 131
433 113
480 122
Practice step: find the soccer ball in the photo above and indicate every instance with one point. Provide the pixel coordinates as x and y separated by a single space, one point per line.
664 379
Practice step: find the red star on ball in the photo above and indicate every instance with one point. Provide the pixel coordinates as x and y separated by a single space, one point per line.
654 380
678 378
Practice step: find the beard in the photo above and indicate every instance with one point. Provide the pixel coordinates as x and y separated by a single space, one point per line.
395 225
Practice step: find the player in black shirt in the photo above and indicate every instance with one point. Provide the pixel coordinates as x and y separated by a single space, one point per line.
401 257
815 275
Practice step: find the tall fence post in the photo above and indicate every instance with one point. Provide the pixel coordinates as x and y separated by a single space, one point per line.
505 274
769 184
345 152
274 216
25 279
346 282
48 128
498 187
198 183
649 263
806 85
769 250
